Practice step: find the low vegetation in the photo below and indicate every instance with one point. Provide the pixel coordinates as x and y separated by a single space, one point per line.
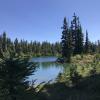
79 80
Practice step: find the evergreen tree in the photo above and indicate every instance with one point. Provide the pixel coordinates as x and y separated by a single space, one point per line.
80 40
74 31
10 46
14 72
66 41
4 42
86 43
17 47
64 38
1 51
77 35
57 48
98 46
69 46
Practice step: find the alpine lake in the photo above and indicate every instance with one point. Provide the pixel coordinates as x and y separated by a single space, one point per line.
47 69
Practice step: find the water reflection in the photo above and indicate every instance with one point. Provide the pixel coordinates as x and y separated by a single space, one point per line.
47 70
47 65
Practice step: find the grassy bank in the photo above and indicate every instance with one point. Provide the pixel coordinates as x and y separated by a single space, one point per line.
79 81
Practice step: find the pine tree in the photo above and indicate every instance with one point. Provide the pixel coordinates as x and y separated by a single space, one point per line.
10 46
74 31
64 38
98 46
69 46
66 42
79 40
1 51
14 73
17 47
77 35
4 42
87 43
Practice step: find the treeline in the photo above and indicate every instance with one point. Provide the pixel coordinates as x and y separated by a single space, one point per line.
73 42
33 48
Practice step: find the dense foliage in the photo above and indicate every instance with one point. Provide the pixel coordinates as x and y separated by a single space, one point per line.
81 67
14 73
23 47
73 42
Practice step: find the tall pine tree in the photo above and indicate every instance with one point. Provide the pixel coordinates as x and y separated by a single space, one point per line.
66 43
87 43
77 35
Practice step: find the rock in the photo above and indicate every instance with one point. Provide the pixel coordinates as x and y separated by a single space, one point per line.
60 60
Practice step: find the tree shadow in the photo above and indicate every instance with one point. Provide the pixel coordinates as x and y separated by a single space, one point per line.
87 89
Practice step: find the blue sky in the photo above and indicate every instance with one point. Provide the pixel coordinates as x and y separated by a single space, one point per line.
42 19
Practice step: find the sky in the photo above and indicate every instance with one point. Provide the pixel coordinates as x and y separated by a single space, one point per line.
42 20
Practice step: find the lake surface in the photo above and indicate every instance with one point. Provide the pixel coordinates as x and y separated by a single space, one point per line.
47 69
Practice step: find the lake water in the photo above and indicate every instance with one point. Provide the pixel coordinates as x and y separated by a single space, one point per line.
47 69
